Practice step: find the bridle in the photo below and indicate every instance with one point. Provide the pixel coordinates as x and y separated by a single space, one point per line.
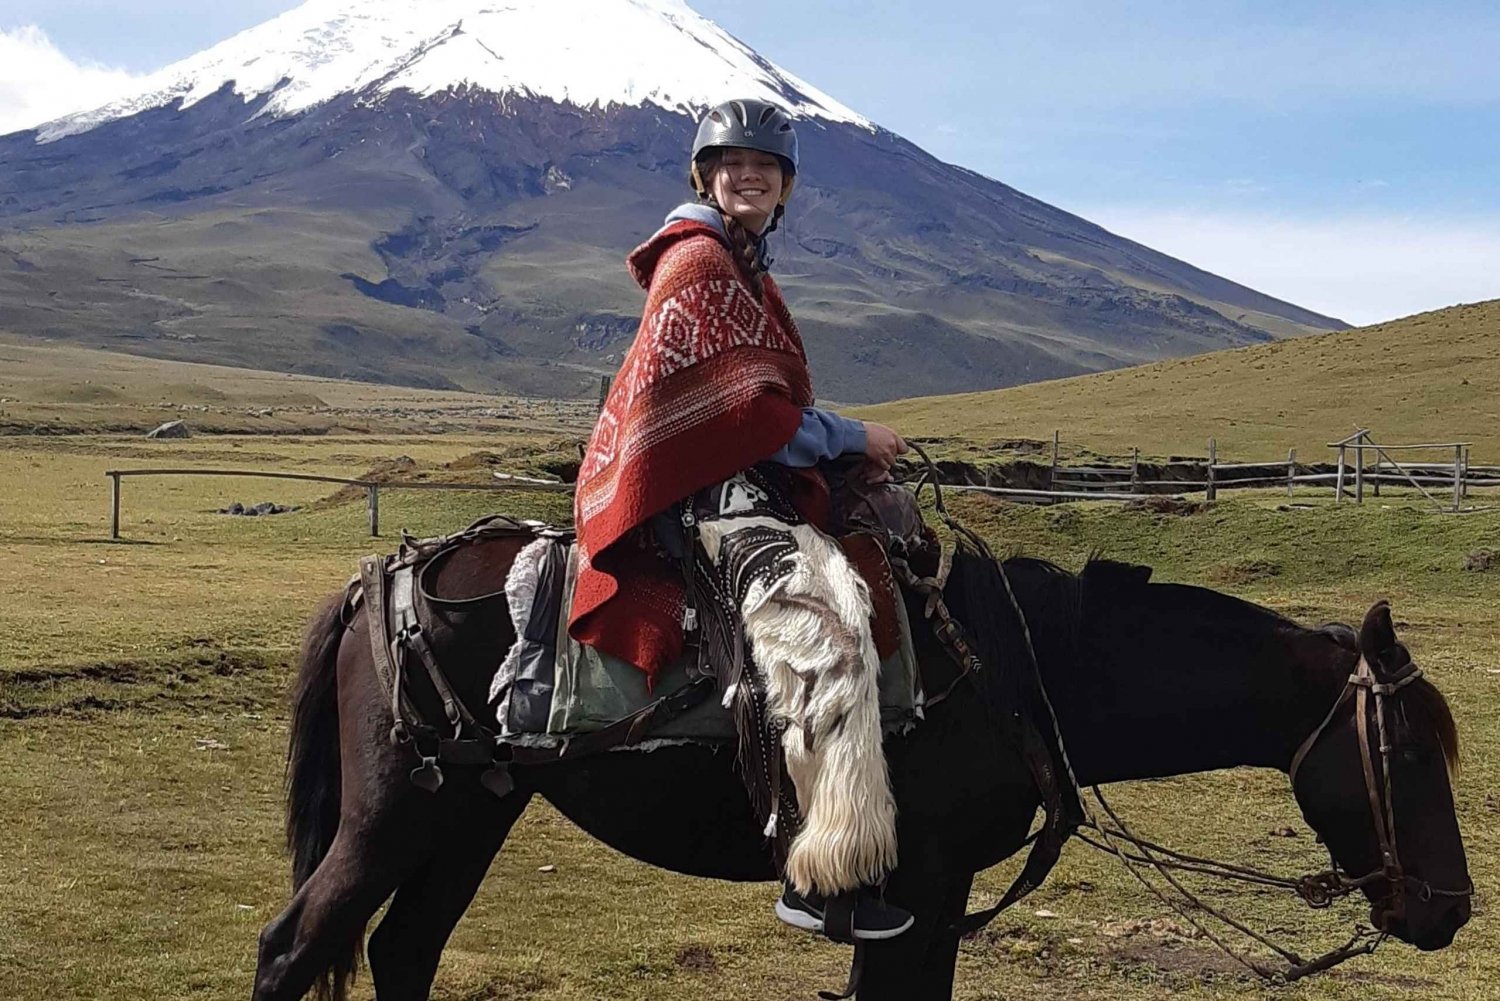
1364 685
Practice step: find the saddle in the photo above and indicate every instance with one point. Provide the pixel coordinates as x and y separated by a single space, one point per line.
552 688
602 704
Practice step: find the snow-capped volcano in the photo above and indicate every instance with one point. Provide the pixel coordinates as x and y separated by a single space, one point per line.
581 52
441 193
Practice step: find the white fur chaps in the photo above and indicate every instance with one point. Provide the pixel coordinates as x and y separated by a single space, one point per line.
809 633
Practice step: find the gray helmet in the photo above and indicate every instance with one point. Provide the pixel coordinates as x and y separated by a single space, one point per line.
749 124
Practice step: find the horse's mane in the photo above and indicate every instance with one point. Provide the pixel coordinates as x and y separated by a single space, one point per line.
1056 602
1050 596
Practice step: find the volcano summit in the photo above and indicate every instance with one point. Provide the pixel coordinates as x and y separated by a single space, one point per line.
442 192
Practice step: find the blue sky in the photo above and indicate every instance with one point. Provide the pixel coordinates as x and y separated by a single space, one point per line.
1343 155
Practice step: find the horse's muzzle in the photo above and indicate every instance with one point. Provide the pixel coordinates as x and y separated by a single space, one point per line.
1430 930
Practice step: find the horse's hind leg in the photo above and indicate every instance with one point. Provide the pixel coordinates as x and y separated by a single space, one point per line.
322 926
405 946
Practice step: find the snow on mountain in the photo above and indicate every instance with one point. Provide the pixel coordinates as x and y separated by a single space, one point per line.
582 52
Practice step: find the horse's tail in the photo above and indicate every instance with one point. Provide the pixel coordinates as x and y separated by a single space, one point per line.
312 767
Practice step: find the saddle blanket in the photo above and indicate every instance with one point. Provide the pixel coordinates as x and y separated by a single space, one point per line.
550 687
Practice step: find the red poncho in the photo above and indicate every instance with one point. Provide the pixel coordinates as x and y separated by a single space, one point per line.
715 382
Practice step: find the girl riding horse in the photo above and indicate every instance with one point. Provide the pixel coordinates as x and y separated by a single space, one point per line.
709 435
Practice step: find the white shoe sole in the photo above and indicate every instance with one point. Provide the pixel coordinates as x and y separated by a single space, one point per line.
809 922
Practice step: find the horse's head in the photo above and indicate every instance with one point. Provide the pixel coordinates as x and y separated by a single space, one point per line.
1417 881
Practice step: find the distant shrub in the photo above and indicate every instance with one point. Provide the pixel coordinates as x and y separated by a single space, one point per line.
1481 559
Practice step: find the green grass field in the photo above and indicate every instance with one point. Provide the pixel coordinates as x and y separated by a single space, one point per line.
143 723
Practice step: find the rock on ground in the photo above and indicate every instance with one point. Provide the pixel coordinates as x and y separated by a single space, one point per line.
171 429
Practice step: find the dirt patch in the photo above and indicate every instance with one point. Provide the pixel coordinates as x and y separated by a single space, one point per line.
512 984
1179 957
1166 505
1245 571
220 677
696 957
1161 928
1425 985
561 463
401 468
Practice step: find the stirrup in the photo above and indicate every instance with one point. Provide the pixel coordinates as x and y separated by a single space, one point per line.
851 917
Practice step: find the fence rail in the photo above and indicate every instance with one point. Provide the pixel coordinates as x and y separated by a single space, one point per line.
372 488
1066 483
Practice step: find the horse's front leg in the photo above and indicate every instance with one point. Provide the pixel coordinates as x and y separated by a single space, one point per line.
910 967
941 963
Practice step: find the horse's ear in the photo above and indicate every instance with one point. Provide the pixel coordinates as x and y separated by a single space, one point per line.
1378 634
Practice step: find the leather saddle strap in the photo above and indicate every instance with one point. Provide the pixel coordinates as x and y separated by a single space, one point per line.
1047 843
377 625
409 632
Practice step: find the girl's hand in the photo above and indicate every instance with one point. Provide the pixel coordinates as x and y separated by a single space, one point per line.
882 446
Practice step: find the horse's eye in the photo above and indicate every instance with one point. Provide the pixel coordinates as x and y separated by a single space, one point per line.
1412 755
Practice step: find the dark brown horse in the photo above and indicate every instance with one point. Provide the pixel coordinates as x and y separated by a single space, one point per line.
1147 679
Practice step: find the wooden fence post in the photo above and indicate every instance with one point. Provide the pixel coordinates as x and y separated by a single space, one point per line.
1135 471
1359 469
372 493
1052 483
114 505
1466 471
1458 477
605 381
1213 459
1338 490
1291 469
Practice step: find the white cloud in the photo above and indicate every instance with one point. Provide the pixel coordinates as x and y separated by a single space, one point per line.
1360 269
38 82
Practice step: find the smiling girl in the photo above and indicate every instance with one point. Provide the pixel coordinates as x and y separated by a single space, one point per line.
710 435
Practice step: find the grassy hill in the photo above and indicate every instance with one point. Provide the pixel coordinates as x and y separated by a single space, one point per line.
62 388
1432 377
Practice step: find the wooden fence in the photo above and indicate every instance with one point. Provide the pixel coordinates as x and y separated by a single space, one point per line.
372 488
1066 483
1459 476
1349 480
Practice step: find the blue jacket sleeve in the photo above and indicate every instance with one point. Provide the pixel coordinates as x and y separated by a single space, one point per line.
823 435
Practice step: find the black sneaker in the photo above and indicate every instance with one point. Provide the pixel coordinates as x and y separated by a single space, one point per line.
874 919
